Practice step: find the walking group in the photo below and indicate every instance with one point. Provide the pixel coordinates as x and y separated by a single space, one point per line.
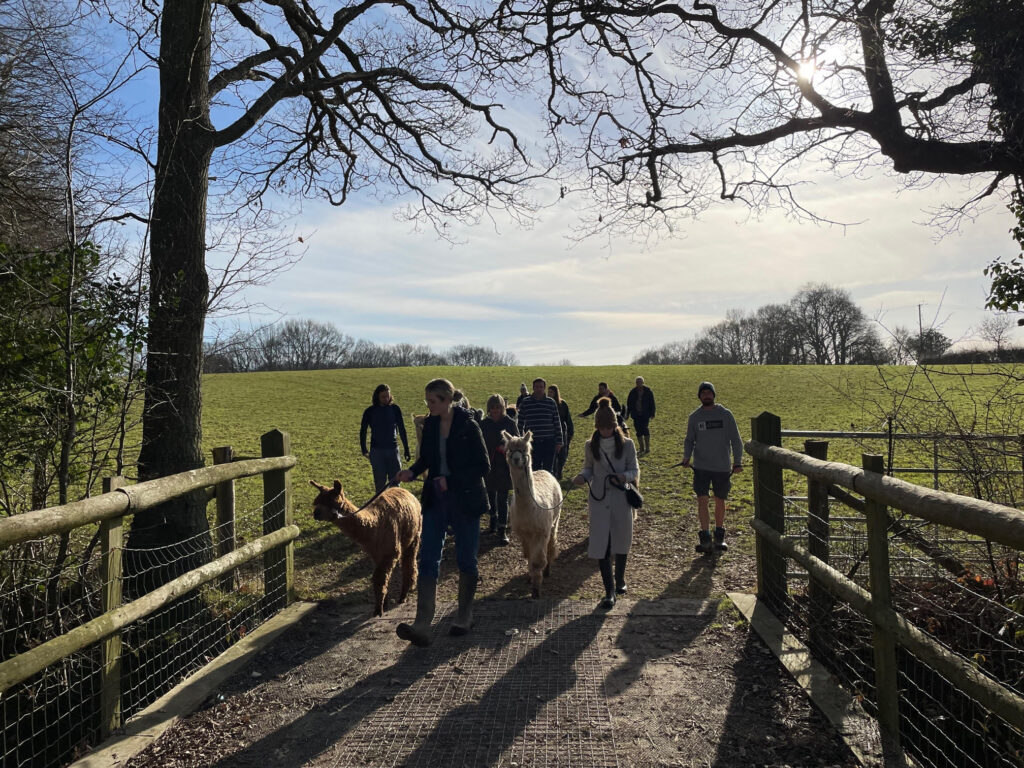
462 452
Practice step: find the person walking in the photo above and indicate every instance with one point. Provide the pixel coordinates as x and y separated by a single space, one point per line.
538 414
609 461
499 479
568 430
602 391
384 420
640 407
711 432
454 496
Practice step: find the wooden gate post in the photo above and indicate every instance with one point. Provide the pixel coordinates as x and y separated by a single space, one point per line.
818 533
769 507
886 672
225 517
278 563
111 540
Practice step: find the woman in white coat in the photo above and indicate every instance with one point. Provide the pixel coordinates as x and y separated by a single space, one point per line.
609 462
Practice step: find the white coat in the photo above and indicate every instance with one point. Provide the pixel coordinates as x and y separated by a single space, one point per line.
611 517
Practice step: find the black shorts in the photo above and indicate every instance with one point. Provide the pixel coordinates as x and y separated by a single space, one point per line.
704 479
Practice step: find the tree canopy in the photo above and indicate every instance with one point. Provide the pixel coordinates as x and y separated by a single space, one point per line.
680 105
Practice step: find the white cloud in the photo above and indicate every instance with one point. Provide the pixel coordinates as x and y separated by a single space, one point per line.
539 294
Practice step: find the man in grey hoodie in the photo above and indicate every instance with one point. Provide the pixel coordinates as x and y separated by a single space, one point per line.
711 432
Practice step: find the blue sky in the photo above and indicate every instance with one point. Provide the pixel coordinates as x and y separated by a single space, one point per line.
545 297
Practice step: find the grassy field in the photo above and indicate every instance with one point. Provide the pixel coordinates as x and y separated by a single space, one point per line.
321 411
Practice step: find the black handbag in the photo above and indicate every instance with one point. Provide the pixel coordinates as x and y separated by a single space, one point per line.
633 496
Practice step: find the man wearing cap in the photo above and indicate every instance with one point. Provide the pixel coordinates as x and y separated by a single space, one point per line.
640 407
711 432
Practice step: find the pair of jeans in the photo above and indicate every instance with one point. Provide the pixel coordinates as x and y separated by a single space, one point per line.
544 454
441 515
385 464
560 461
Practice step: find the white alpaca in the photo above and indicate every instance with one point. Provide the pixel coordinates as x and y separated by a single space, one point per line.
535 510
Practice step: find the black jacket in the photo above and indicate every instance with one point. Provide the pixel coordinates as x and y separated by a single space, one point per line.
593 404
467 461
568 430
648 402
499 478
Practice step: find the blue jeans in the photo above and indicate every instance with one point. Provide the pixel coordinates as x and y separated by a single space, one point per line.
437 518
385 464
544 454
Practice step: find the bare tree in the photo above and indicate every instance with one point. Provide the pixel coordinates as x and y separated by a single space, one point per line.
675 106
901 351
472 355
396 99
996 330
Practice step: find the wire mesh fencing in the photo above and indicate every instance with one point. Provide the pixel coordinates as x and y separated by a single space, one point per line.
964 591
52 585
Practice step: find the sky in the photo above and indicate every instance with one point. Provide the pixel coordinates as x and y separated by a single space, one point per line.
547 297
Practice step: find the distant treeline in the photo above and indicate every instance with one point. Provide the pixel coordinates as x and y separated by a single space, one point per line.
306 345
820 325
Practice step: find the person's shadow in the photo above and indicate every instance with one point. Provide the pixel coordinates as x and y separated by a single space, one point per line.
686 628
545 671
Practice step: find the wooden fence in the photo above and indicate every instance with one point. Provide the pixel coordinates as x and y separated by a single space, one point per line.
993 522
936 470
109 510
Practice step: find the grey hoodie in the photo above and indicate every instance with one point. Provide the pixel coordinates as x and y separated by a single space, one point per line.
710 432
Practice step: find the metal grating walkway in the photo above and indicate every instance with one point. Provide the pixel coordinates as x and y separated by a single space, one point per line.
525 689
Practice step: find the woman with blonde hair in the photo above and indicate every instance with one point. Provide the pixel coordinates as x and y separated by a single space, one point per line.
454 496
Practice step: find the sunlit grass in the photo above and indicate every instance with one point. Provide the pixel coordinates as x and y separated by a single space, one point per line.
321 412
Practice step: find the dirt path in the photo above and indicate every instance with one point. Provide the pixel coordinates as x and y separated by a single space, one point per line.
674 679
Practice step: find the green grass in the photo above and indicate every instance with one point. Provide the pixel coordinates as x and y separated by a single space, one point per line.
321 411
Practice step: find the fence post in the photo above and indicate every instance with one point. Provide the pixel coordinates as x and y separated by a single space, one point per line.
225 516
886 672
818 533
111 538
278 563
1020 444
769 507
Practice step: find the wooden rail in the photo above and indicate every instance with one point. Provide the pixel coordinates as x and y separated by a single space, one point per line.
129 500
994 522
118 501
24 665
934 470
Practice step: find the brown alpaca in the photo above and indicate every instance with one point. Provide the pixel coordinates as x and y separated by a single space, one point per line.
388 530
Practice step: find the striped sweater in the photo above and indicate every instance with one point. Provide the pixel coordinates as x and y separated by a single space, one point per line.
541 418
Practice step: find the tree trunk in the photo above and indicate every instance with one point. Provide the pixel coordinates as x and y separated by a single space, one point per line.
178 293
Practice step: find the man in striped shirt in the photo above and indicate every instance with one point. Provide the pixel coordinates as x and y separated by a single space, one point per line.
539 414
